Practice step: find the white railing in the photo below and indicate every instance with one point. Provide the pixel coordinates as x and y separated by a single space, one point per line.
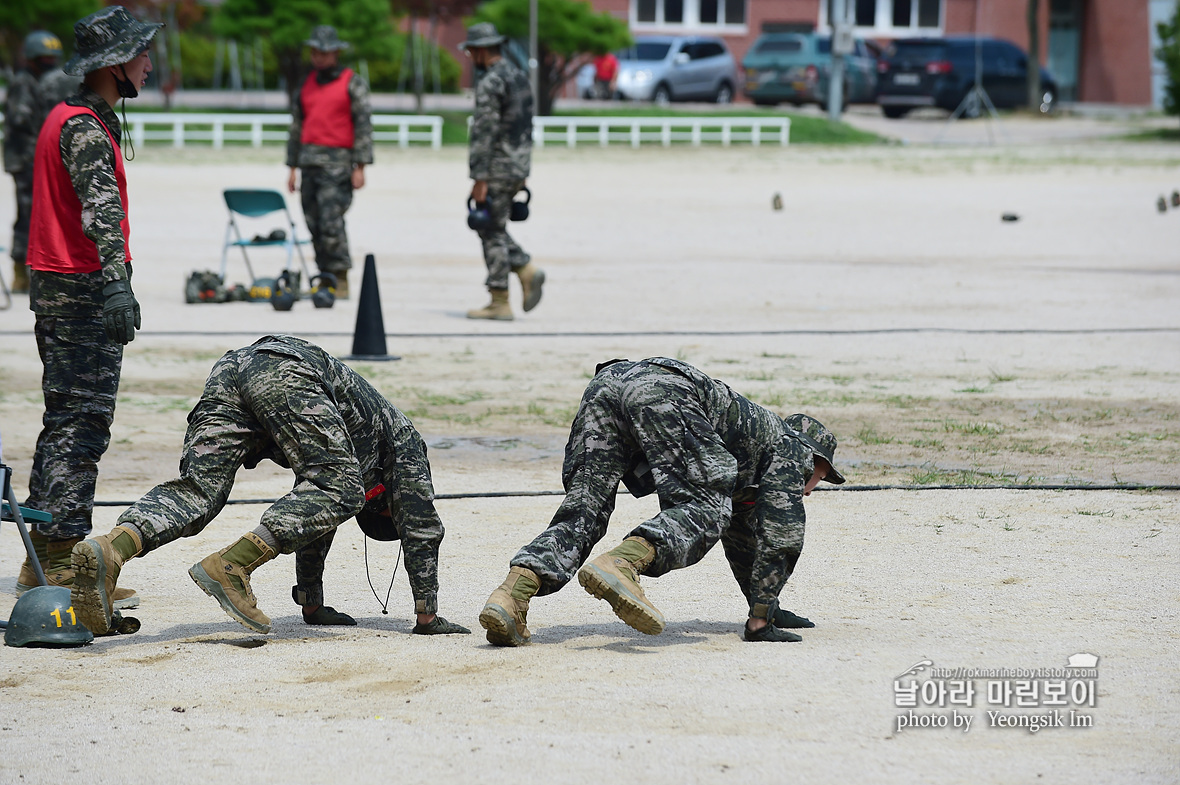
185 127
663 130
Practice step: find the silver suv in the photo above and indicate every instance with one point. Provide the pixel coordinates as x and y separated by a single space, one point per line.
663 68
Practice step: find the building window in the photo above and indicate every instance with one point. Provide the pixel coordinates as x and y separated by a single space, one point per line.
689 14
890 17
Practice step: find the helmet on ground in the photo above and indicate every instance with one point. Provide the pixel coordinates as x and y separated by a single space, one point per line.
43 616
42 43
261 289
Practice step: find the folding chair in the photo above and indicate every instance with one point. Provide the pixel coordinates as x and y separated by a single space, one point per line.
257 203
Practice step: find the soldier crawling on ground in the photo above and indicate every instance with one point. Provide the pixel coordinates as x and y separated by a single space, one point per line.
724 468
352 452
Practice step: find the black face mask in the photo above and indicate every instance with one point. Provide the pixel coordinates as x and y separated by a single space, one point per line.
127 88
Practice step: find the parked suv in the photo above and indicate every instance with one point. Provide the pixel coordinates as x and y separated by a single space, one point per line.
796 68
941 72
663 68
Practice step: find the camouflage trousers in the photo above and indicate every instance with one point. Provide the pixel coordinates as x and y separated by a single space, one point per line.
501 254
80 381
628 410
326 195
24 210
253 402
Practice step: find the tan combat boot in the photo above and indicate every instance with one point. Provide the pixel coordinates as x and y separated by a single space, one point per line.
498 309
20 278
97 563
532 278
614 577
225 576
341 284
505 613
56 558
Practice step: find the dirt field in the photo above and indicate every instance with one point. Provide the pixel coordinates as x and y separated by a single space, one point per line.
942 346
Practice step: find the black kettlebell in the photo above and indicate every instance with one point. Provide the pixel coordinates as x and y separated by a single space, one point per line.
283 298
323 290
520 210
478 217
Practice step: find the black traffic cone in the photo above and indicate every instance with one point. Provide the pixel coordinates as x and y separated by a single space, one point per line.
368 341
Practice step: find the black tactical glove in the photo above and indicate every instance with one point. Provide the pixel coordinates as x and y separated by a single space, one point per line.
120 313
440 626
771 634
328 616
788 620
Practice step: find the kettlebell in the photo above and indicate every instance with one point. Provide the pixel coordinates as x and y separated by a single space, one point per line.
478 217
282 298
323 290
520 210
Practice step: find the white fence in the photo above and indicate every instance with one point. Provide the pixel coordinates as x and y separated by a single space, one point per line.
662 130
185 127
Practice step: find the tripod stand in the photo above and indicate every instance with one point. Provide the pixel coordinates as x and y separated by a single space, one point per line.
976 97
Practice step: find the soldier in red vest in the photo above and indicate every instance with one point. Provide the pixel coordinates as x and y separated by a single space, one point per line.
331 141
80 282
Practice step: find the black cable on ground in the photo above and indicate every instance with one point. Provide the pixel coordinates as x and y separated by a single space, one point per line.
841 489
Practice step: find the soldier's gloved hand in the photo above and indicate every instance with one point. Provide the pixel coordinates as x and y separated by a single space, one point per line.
328 616
440 626
789 621
120 312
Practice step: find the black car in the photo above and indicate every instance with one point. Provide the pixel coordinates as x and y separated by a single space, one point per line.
916 72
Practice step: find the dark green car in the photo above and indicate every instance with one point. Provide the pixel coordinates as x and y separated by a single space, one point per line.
795 67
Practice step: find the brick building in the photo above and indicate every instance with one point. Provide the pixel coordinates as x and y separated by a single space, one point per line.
1098 50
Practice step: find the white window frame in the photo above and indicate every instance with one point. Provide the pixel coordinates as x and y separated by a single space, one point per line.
883 23
692 20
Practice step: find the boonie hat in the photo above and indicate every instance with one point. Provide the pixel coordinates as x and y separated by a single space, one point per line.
821 441
325 39
110 36
481 35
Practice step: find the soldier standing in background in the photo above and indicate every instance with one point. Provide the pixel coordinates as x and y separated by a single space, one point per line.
80 282
501 149
331 142
352 452
724 468
34 90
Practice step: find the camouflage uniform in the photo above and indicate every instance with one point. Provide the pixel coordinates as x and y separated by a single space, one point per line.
288 400
661 425
81 365
326 174
500 151
28 101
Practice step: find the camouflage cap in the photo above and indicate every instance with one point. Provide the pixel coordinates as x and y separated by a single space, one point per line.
110 36
325 39
42 43
482 35
821 441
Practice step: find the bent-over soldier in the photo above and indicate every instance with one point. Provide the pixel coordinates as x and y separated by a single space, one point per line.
662 426
353 454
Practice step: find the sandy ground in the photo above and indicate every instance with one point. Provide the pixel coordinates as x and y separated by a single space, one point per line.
888 299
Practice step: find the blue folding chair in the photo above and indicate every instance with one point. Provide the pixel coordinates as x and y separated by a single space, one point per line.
259 203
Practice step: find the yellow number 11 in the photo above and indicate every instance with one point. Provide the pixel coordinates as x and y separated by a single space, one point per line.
56 613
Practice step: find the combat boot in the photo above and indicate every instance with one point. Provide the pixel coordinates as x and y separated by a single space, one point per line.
97 563
614 577
56 560
20 278
532 278
225 576
505 613
341 284
498 309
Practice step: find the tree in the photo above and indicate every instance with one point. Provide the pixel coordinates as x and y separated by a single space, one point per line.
567 31
437 12
18 19
1169 55
1034 55
286 24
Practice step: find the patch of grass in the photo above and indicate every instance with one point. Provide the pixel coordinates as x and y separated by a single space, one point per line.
932 475
1155 135
974 390
927 444
972 428
995 377
771 400
869 435
1096 513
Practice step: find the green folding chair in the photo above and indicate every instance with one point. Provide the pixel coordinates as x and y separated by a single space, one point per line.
254 204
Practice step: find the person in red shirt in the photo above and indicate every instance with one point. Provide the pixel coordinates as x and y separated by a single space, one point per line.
606 74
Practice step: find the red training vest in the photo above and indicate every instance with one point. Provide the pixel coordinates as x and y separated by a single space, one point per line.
57 243
327 112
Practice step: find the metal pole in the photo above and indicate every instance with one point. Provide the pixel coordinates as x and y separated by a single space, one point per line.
838 23
534 76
